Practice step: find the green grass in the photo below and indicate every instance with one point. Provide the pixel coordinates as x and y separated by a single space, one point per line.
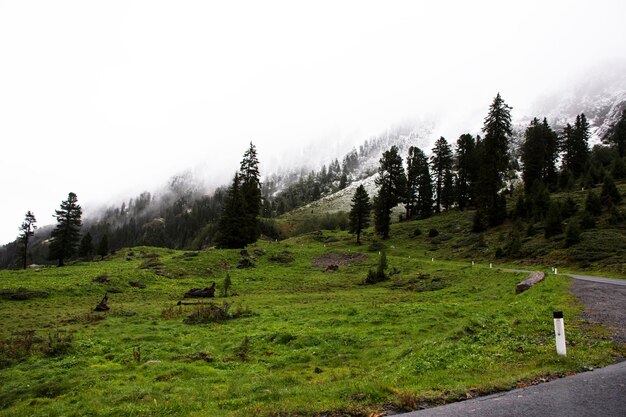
318 342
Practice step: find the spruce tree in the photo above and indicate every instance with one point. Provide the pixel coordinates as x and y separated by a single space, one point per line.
441 163
419 195
593 204
27 229
251 191
86 246
539 154
466 166
232 232
66 234
494 160
575 146
616 136
359 212
392 182
610 194
103 246
552 223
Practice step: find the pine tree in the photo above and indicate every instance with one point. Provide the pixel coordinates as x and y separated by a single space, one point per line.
552 222
419 195
27 229
86 246
551 154
593 204
448 193
66 234
251 191
610 194
533 155
575 144
466 166
441 163
392 182
616 136
103 246
232 231
359 212
495 160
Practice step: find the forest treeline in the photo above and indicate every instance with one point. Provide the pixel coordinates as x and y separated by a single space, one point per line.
475 172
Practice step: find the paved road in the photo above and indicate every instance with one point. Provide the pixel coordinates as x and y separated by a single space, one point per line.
600 393
602 280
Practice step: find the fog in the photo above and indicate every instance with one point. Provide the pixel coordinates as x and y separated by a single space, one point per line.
107 99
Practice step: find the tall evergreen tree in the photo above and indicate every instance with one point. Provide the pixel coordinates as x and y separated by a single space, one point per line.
103 246
27 229
616 136
575 146
551 154
539 154
66 234
359 212
494 161
466 166
533 155
419 195
85 250
392 182
232 231
251 190
441 162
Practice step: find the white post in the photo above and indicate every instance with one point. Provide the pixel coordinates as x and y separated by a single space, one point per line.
555 271
559 332
432 259
490 265
472 263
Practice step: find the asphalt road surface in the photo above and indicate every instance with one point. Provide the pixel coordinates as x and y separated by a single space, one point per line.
599 393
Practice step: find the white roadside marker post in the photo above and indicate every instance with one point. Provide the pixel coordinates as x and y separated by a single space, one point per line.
472 263
559 332
490 265
432 259
555 271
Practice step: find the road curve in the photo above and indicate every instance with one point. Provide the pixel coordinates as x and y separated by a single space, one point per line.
602 280
601 392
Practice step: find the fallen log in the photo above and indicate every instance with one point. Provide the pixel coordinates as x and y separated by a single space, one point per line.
532 279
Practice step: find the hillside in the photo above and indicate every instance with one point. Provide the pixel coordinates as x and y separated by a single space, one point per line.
602 248
301 342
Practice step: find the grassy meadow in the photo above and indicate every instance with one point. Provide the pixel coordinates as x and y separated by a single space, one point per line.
303 342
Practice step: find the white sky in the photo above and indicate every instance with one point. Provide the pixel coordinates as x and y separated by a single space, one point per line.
109 98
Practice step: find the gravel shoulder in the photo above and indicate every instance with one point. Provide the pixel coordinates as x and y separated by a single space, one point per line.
604 304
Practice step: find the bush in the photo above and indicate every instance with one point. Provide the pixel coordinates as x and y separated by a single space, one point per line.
376 246
433 233
417 231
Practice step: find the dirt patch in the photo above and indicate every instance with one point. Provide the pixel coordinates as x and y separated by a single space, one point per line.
338 258
604 304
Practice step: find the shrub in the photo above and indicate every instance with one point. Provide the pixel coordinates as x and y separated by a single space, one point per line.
433 233
376 246
417 231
